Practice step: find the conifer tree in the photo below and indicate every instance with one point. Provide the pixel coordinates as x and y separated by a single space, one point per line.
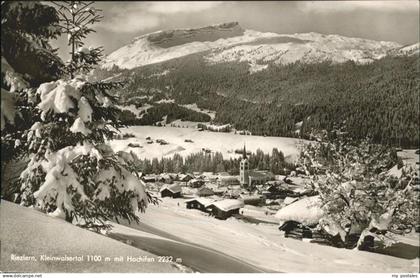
72 173
27 60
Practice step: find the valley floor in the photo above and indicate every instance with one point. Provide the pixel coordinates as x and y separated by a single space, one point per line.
226 143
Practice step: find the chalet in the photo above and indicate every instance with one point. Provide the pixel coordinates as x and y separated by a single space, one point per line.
307 211
228 180
196 183
259 177
232 193
279 192
210 177
254 200
204 192
295 230
185 177
199 203
225 208
173 191
149 178
167 178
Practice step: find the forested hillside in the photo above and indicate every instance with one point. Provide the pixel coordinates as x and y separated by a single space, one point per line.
379 100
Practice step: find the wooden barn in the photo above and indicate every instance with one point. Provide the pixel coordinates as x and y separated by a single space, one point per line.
295 230
228 180
196 183
173 191
225 208
185 177
259 177
199 203
204 192
276 191
149 178
255 200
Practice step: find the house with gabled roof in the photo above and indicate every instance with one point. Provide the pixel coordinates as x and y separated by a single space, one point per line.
199 203
173 191
225 208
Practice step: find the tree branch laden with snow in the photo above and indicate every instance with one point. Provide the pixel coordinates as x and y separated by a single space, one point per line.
357 193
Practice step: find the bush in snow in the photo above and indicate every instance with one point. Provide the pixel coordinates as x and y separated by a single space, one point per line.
356 191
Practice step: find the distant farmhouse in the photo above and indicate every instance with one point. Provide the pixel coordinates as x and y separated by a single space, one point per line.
199 203
228 180
173 191
204 192
225 208
196 183
220 209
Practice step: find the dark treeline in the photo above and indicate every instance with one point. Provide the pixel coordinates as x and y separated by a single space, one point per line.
377 100
171 111
214 162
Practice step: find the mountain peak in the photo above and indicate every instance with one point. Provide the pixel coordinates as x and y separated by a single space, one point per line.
229 42
170 38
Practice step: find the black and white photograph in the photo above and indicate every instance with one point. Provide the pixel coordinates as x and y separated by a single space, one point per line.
187 137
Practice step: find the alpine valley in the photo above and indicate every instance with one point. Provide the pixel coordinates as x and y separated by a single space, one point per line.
269 84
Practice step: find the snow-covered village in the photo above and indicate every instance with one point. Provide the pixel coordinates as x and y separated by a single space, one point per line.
188 137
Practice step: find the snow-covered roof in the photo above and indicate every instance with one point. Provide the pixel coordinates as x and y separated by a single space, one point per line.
205 190
229 204
228 178
306 211
260 174
250 197
196 180
175 188
204 201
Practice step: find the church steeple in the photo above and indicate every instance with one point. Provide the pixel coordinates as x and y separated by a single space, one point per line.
244 169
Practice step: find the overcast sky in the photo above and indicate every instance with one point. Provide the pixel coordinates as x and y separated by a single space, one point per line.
378 20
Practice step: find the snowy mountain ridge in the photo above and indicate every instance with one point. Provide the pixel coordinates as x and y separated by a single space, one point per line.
229 42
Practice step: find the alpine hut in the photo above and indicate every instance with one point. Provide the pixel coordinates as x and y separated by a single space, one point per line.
173 191
204 192
226 208
199 203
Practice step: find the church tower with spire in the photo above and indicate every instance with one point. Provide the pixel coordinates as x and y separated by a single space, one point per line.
244 169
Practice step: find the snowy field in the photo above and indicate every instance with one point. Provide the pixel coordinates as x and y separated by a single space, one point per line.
32 233
264 246
226 143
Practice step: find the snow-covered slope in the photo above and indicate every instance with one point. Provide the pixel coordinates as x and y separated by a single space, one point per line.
306 48
409 50
28 232
229 42
264 246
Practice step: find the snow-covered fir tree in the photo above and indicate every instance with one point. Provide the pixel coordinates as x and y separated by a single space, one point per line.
357 189
27 60
72 173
